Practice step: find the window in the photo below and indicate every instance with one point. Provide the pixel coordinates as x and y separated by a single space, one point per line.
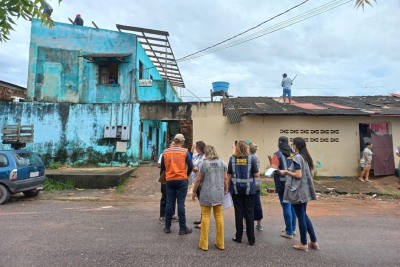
3 161
141 70
108 74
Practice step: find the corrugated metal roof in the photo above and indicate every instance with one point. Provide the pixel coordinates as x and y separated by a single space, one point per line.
312 106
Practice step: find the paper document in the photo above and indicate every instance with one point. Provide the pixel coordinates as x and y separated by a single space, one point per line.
227 202
270 171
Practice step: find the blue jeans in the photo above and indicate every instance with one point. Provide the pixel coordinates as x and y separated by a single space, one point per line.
289 215
176 191
258 212
305 224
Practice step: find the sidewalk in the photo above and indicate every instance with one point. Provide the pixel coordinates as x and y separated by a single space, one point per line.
385 185
144 186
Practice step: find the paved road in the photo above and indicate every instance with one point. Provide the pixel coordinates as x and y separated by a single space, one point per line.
44 232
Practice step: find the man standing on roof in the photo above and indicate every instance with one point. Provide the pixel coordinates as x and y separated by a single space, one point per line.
177 163
78 20
286 85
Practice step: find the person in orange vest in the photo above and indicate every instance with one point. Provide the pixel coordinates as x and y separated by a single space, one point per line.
177 163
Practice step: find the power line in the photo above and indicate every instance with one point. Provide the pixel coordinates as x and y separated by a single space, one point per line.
309 14
230 38
193 94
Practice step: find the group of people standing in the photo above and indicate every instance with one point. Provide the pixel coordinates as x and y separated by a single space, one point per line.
212 179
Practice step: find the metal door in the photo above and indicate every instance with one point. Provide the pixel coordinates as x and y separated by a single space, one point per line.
383 159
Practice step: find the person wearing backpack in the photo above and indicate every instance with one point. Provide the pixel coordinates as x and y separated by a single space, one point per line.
282 160
243 172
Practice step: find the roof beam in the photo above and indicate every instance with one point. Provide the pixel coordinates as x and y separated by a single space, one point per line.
138 29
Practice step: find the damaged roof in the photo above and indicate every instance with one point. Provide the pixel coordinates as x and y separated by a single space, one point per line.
159 50
235 108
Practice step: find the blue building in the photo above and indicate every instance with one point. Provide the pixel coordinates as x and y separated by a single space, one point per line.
85 90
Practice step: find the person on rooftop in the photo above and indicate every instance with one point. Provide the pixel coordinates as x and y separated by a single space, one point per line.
78 20
286 85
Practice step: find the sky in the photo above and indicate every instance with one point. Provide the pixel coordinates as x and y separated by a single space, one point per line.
341 52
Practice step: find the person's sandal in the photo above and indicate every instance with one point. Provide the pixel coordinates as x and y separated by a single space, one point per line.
301 247
361 179
314 245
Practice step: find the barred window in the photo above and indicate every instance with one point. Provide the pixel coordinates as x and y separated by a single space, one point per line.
108 74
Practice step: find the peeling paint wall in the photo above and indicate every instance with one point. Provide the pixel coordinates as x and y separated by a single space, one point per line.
72 106
59 73
70 133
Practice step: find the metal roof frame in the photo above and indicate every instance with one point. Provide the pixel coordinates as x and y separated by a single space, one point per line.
164 61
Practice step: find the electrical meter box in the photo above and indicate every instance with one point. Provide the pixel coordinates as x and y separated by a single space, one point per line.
124 131
110 131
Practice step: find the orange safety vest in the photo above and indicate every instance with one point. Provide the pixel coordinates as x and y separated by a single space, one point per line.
175 163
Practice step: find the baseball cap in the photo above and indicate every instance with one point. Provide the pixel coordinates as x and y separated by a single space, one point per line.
179 138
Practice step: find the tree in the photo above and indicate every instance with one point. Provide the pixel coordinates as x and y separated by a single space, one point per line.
10 10
363 2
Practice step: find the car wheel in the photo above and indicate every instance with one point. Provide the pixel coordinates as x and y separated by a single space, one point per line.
4 194
31 193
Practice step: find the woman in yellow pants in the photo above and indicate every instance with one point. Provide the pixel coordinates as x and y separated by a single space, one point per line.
214 183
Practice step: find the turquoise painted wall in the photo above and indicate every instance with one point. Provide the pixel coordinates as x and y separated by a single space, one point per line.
69 132
59 73
72 108
161 89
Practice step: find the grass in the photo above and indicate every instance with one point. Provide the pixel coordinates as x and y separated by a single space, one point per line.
264 187
56 185
120 189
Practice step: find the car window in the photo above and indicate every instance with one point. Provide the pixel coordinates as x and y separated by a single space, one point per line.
21 160
3 160
26 159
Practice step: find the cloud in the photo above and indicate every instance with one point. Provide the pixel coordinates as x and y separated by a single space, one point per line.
341 52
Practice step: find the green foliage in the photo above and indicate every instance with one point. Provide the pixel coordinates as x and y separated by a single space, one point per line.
51 185
55 166
11 10
120 189
264 186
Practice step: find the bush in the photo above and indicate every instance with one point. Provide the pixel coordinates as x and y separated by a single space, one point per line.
54 166
56 185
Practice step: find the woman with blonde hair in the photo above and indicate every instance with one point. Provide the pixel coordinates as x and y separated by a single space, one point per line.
243 172
214 183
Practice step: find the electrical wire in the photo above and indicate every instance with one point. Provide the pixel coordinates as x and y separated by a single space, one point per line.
307 15
237 35
193 94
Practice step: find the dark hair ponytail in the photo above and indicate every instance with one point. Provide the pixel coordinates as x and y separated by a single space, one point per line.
302 148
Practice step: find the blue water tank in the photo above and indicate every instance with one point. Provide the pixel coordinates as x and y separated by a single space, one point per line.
220 86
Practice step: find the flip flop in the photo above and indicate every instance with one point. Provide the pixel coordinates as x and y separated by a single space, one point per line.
361 179
197 226
197 222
